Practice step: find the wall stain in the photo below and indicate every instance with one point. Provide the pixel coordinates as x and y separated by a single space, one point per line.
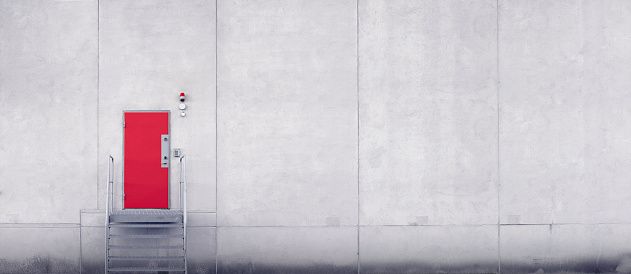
567 266
622 264
249 268
195 266
39 264
420 267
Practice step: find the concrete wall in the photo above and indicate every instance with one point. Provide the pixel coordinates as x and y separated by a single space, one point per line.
331 136
48 132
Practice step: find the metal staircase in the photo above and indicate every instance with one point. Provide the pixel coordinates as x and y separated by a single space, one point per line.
145 240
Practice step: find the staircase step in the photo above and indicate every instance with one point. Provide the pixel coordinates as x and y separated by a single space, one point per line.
147 215
144 269
145 258
146 247
148 236
154 225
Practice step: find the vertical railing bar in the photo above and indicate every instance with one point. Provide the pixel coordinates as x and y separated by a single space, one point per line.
111 184
110 164
183 204
180 194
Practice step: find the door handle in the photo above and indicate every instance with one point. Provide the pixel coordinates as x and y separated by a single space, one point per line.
165 150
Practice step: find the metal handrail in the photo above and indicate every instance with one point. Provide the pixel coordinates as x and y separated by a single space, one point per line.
108 205
109 202
183 202
110 183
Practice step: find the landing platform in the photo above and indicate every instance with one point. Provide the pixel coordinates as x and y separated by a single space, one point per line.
146 216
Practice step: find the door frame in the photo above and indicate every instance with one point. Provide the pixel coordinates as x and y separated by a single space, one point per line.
123 162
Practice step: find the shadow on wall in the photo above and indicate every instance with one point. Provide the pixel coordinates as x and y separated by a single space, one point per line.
602 265
613 265
40 264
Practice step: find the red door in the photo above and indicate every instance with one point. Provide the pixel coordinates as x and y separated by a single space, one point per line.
147 153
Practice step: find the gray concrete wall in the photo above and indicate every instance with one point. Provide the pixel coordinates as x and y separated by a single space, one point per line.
327 136
48 132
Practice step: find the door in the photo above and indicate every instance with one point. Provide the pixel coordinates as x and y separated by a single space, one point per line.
146 156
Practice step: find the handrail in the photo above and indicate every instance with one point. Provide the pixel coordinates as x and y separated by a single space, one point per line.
108 205
110 183
183 202
182 182
107 195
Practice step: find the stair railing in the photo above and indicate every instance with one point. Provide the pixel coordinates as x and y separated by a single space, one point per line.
183 202
108 205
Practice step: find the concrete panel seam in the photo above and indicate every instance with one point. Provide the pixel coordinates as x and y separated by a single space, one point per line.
288 226
208 226
445 225
80 235
216 132
563 224
368 226
40 225
497 87
98 94
358 133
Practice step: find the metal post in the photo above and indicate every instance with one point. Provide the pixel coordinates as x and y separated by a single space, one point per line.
183 203
110 181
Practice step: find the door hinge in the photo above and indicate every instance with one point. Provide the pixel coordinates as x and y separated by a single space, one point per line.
123 124
123 197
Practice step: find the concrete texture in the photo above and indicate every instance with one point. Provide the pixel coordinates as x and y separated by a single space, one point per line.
564 121
428 112
46 248
556 248
287 113
48 82
327 136
93 249
428 249
202 218
201 249
287 250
